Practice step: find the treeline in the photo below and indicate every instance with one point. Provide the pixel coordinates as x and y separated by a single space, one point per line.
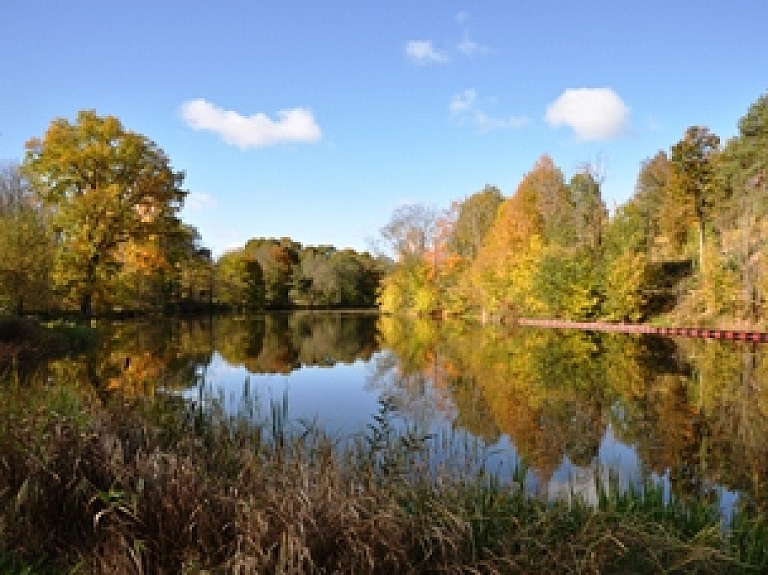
89 223
690 243
270 273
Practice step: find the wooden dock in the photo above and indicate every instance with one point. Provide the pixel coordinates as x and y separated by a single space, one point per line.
698 332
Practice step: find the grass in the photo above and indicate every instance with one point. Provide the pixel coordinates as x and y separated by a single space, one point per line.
104 484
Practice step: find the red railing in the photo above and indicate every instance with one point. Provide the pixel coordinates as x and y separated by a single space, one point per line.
701 332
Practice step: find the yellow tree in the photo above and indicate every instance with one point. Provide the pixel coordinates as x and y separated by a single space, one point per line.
502 274
108 186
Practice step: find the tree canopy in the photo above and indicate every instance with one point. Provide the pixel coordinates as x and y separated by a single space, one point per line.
691 242
108 188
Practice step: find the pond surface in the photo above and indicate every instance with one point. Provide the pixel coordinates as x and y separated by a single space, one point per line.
578 409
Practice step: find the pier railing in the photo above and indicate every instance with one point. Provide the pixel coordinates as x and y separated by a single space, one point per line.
700 332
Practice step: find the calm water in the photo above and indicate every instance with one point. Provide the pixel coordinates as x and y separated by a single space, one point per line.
576 408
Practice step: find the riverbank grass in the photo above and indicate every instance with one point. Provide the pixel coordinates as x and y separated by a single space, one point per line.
97 483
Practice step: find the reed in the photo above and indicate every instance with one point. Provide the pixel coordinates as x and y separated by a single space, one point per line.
112 485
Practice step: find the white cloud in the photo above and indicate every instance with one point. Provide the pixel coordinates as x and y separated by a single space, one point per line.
469 47
592 113
486 123
199 201
463 109
462 17
422 52
258 130
462 102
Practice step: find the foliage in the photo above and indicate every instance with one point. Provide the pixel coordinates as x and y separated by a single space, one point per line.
269 273
475 217
553 250
693 177
568 284
410 232
107 187
26 246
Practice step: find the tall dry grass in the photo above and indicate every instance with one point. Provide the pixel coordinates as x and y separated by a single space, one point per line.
91 483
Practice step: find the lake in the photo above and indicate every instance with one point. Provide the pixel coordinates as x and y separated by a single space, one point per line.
579 410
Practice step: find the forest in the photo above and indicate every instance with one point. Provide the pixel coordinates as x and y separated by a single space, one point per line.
688 246
89 223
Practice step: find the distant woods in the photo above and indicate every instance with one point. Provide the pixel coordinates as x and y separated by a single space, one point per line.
89 224
691 244
271 273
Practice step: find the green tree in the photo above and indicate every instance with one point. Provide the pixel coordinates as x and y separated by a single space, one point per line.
692 159
630 276
107 186
554 201
567 283
742 172
588 209
25 244
254 282
651 208
475 217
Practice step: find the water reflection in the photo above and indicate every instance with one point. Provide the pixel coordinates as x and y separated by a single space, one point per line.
575 404
576 408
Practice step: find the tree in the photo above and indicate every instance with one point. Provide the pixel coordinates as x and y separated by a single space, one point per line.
277 259
589 213
241 280
25 245
501 277
410 231
107 186
553 200
651 207
475 217
692 158
254 283
743 220
567 283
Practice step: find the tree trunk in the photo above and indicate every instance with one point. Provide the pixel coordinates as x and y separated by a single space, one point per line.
86 300
701 247
86 304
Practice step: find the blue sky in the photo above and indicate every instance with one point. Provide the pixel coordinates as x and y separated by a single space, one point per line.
317 119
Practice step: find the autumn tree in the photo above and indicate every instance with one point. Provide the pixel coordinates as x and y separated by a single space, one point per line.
25 244
107 186
241 280
501 278
410 231
277 258
553 201
475 216
742 169
693 173
412 234
657 216
588 211
630 275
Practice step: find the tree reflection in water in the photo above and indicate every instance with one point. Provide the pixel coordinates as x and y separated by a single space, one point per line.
573 404
582 405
